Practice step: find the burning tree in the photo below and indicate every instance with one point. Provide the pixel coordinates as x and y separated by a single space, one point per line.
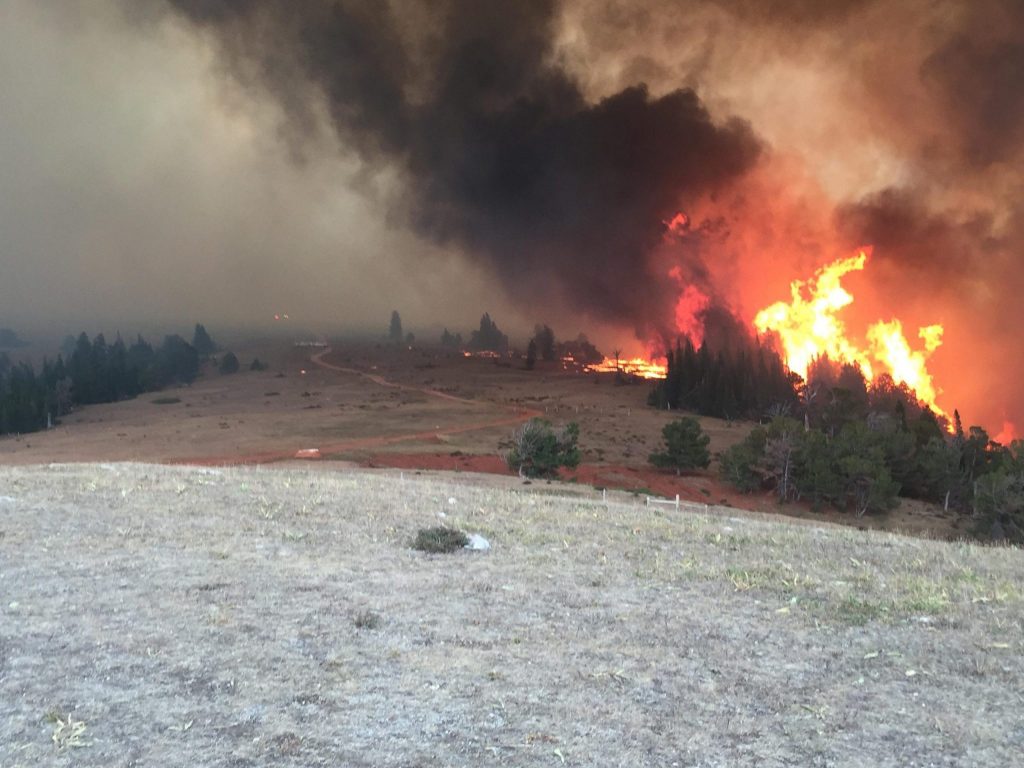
810 328
580 350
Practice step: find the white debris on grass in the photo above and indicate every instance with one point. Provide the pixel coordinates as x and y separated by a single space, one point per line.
477 542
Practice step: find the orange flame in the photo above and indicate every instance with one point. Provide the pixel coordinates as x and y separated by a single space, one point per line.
691 304
637 366
676 226
905 364
809 327
1007 434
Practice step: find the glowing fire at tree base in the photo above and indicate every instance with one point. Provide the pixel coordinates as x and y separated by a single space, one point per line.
637 366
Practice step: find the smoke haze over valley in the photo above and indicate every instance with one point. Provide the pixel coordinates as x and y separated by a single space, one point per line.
171 161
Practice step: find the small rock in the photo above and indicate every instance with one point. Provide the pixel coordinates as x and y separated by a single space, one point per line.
477 542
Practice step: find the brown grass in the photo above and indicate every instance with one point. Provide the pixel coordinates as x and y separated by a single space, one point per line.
211 617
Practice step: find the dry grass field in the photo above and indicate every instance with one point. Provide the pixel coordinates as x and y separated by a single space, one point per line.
412 408
173 616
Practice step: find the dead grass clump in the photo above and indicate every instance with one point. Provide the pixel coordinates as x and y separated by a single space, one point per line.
440 539
67 732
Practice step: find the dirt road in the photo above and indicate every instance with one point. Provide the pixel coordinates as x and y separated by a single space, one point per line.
512 417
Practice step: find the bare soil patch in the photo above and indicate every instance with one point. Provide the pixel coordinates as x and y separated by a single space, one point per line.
154 615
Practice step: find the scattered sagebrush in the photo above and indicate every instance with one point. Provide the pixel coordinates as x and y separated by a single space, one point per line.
440 539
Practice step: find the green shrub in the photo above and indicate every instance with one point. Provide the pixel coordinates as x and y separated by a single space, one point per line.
999 507
686 446
539 451
166 400
738 466
439 539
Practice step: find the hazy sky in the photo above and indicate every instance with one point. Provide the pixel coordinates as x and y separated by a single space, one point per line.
138 186
168 161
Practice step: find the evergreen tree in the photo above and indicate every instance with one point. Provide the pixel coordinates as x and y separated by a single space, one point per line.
451 340
544 338
489 337
538 451
99 362
175 362
867 482
531 355
685 448
229 363
748 381
739 464
202 342
82 375
96 372
395 329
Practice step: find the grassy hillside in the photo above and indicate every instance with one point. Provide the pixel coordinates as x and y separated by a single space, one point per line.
177 616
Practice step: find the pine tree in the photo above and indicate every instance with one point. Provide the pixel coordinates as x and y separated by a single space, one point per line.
202 342
685 448
229 363
544 338
395 329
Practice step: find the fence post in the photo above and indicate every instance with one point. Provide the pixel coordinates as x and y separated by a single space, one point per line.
677 501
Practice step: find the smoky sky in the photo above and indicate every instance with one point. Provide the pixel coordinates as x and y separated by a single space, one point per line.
563 199
453 157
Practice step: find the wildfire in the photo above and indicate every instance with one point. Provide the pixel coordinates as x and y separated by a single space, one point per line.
637 366
809 327
690 305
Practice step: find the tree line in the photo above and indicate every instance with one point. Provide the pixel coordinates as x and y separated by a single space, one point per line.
95 372
859 447
746 382
837 440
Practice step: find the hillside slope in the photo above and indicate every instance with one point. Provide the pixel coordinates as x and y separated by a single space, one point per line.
179 616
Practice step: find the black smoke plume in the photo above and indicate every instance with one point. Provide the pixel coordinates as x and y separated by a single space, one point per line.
499 150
